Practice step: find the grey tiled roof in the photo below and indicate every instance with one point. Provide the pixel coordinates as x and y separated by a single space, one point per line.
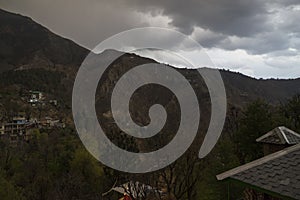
280 135
292 138
278 173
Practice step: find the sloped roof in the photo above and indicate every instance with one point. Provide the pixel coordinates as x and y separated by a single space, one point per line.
280 135
136 189
278 172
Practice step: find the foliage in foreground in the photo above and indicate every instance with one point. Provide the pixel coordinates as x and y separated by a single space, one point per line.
55 165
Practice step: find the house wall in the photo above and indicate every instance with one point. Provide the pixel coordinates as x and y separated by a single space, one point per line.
272 148
251 194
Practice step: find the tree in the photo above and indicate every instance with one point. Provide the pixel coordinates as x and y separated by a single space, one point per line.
9 191
291 111
256 121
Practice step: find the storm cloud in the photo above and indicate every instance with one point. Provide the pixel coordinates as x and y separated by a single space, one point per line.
260 30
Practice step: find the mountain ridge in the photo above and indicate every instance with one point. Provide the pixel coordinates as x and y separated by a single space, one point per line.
25 44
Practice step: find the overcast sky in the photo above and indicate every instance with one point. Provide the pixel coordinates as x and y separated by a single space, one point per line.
260 38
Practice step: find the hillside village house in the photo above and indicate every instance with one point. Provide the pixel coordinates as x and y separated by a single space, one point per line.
35 97
48 122
16 129
276 176
21 129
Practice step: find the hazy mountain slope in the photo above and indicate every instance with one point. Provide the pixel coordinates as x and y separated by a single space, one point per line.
24 44
241 88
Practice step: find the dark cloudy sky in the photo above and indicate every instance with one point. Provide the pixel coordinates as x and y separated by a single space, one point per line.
259 38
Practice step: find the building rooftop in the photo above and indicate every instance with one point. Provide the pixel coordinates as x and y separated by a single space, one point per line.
136 189
278 173
280 135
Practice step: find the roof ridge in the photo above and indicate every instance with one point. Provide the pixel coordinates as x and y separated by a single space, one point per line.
257 162
271 132
283 134
283 128
280 133
291 131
